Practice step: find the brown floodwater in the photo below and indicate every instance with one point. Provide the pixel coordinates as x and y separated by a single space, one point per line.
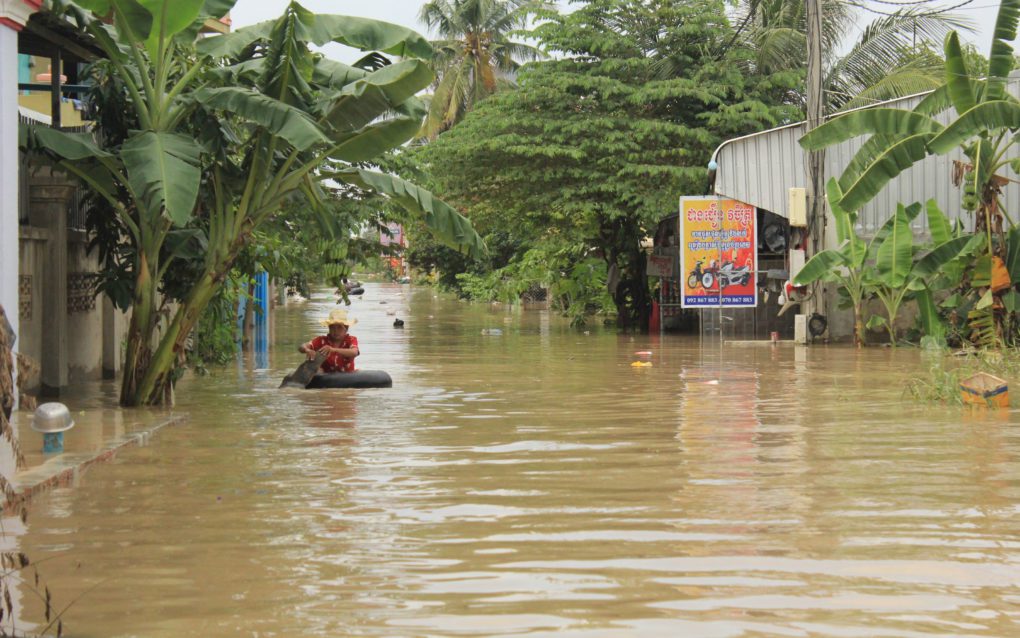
530 481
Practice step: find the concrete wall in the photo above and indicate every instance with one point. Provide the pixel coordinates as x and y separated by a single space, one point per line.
73 334
94 329
31 259
84 313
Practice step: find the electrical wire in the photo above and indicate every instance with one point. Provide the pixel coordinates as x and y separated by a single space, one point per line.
921 14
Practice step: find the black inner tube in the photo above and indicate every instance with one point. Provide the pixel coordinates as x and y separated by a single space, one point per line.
356 379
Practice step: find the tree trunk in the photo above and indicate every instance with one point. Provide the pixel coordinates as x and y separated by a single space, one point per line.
858 326
632 298
156 386
248 325
138 351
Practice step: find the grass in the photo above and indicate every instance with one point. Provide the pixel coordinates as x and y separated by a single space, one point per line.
941 382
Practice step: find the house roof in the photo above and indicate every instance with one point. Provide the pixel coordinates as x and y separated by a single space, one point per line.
760 169
46 33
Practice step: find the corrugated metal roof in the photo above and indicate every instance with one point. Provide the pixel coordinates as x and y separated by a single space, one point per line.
760 169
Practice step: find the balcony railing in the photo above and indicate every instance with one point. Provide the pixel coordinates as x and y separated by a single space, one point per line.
75 208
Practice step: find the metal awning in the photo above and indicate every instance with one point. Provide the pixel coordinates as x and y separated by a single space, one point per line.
760 169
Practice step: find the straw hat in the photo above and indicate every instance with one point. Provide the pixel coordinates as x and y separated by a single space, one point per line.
338 315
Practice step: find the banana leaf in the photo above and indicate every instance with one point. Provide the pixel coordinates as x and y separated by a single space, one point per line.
365 99
865 155
821 266
105 37
71 146
984 117
330 73
442 220
281 120
360 33
1001 60
893 256
1013 253
211 9
943 254
376 139
981 277
938 224
1011 301
164 172
370 35
885 229
981 321
169 17
958 79
935 102
931 321
874 121
129 15
896 159
853 247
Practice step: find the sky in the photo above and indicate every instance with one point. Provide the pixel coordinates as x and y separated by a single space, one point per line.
405 13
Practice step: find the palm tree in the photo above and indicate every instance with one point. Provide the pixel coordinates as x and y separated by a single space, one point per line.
894 56
474 54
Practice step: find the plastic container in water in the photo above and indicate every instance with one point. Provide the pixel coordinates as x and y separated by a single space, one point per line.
985 390
52 420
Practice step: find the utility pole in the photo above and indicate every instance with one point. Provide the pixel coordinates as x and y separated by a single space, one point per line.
815 160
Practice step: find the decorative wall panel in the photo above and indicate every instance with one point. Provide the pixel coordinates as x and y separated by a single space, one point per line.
81 292
25 296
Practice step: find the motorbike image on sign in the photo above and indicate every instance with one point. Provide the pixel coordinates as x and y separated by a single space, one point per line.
727 275
695 277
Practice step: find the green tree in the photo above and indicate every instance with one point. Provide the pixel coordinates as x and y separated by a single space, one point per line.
475 54
228 128
891 57
594 148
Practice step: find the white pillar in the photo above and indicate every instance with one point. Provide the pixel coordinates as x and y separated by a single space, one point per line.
13 17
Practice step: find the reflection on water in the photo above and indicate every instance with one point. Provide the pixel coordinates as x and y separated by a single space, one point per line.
535 483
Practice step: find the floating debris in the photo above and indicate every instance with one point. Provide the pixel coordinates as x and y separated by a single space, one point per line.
985 390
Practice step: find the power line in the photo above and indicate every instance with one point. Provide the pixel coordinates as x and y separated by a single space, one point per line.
920 14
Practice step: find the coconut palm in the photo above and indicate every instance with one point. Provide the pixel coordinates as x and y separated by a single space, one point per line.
893 56
474 54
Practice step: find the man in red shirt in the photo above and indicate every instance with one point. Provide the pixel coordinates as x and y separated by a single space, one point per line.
341 347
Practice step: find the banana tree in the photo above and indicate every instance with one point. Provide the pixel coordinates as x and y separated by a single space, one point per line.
986 120
903 270
230 127
845 265
890 266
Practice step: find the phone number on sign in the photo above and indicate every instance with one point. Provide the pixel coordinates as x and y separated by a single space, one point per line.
728 300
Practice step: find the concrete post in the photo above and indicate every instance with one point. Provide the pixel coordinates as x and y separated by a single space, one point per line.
49 194
113 335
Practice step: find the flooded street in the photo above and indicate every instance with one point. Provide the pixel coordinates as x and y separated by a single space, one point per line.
534 483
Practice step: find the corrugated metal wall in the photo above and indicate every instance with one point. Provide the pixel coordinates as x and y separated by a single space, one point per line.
760 169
